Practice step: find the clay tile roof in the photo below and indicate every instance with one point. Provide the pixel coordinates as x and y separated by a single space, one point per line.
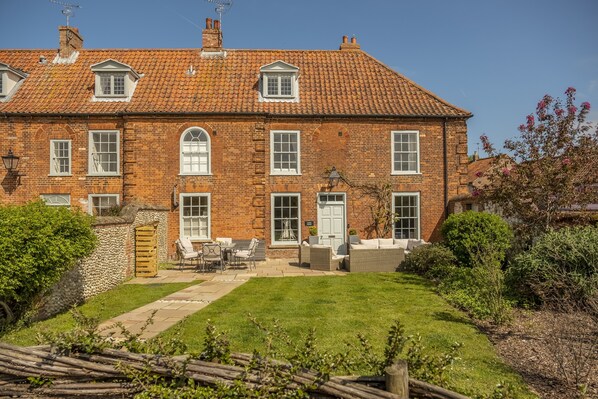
330 83
480 166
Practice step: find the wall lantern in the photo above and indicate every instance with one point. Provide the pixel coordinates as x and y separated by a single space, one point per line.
11 162
334 177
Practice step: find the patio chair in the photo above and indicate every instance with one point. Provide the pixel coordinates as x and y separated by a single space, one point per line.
185 251
322 257
249 253
212 255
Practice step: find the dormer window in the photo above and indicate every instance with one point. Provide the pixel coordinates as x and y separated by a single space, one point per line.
278 85
112 85
279 82
114 81
10 80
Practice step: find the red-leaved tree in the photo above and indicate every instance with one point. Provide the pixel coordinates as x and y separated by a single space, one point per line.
554 174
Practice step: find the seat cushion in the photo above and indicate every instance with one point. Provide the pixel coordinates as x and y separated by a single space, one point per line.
370 243
359 246
385 241
402 242
414 244
397 246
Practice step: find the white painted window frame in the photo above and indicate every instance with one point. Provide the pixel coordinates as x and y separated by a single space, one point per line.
394 153
181 204
272 235
53 158
181 157
275 172
45 197
2 84
99 90
90 198
419 214
278 76
91 169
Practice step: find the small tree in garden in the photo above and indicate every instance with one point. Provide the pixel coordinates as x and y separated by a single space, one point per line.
556 156
38 243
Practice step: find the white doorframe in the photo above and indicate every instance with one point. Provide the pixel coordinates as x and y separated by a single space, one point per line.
333 199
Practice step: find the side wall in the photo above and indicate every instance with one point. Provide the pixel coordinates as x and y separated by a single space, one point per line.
111 263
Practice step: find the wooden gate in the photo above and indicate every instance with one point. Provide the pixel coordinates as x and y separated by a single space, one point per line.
146 250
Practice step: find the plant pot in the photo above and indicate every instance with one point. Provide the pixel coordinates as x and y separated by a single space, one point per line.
313 240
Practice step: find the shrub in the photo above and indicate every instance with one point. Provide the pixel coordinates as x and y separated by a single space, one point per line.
470 233
561 266
432 261
38 243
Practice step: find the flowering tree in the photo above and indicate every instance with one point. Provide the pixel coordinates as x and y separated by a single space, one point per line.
554 173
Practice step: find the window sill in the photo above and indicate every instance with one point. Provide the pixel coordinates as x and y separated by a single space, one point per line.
51 175
284 246
113 175
284 174
406 174
196 174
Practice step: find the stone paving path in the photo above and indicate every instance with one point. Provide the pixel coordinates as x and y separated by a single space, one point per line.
174 307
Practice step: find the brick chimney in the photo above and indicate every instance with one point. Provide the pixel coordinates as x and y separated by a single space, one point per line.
212 36
70 41
345 45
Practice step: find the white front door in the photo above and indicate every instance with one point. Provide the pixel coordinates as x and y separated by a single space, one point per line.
331 221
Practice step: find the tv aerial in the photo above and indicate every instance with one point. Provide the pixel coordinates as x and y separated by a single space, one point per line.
222 6
67 9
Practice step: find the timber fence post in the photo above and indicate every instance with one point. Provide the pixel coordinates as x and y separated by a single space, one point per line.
397 379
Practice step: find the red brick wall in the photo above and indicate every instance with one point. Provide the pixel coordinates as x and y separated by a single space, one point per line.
240 183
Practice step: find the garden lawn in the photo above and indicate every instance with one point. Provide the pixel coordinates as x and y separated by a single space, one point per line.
107 305
340 307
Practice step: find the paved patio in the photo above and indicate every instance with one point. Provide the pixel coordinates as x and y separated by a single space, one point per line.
173 308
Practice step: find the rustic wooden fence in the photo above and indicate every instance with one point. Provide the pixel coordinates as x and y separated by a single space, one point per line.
100 375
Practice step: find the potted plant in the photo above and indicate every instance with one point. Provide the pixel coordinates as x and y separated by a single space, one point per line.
313 235
353 237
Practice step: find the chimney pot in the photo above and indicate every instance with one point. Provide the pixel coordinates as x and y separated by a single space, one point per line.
212 36
345 45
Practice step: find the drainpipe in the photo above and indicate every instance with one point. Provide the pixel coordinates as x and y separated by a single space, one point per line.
445 160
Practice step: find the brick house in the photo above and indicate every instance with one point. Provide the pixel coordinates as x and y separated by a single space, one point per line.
236 143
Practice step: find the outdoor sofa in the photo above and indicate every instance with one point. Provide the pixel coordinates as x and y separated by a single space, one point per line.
376 255
380 254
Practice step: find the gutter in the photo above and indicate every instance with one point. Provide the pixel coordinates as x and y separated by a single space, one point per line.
266 114
445 166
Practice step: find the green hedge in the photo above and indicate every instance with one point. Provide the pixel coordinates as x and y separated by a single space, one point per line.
471 233
38 243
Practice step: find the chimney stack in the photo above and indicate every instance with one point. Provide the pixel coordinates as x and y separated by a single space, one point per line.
212 36
70 41
345 45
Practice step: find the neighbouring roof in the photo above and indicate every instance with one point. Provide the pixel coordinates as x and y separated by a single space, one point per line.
331 83
478 168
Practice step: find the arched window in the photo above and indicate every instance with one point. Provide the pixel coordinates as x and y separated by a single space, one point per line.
195 152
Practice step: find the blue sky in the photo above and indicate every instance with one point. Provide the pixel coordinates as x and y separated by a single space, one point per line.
493 58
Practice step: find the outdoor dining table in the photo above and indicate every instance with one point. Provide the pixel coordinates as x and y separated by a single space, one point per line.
228 250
